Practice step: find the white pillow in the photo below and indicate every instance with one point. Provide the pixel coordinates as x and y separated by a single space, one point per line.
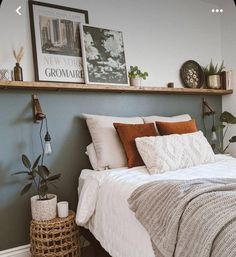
90 151
173 152
109 150
178 118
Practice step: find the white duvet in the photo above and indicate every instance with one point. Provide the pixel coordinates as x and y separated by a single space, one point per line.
103 206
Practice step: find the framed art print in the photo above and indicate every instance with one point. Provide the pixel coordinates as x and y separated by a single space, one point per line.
103 55
56 42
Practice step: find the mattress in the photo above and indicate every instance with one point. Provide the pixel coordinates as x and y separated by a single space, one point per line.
104 210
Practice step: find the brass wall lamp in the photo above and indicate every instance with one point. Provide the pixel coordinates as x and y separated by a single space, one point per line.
37 110
39 117
208 111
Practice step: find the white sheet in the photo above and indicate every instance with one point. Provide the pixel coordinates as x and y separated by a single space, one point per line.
104 208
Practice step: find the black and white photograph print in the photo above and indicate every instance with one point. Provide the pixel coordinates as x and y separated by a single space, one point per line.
60 36
56 42
104 56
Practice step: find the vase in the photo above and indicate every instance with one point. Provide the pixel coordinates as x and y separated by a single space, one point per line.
214 82
136 82
45 209
18 73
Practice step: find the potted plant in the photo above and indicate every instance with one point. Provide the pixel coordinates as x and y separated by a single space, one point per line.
212 75
226 119
43 205
136 76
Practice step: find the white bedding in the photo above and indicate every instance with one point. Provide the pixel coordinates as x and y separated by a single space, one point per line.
103 206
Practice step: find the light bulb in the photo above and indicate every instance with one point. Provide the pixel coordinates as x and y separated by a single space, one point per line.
47 144
47 148
213 136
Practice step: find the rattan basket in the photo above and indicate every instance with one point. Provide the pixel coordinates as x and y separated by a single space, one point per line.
55 238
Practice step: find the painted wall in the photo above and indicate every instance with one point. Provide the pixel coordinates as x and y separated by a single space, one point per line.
229 55
159 36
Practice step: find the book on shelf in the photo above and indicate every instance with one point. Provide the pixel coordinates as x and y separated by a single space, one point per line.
226 80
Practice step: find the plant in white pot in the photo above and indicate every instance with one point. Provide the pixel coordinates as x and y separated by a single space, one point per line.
43 205
136 76
212 75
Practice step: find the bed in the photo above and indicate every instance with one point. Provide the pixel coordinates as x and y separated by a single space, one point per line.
103 203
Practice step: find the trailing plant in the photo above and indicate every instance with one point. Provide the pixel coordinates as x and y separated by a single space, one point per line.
135 72
38 176
212 69
226 120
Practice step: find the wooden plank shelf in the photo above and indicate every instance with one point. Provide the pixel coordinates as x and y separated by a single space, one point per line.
28 85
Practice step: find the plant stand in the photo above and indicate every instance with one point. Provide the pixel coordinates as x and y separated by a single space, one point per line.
55 238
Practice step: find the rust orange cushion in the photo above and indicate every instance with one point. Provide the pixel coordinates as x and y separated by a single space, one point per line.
183 127
128 133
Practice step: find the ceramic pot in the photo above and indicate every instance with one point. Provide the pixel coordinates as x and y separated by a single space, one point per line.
44 209
214 82
136 82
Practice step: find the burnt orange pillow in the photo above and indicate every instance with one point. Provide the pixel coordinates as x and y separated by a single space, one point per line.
183 127
127 134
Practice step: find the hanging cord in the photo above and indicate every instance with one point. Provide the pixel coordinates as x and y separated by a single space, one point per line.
41 139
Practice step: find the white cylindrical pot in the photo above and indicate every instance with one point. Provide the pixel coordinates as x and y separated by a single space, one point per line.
63 209
136 82
214 82
44 209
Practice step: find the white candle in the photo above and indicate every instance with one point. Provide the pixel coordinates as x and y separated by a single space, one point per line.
63 209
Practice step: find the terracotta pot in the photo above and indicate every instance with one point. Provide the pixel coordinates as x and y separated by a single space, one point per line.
136 82
44 209
214 82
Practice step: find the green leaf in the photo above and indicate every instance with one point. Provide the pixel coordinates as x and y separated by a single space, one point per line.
227 117
43 189
54 177
26 161
26 189
20 172
36 162
43 171
232 139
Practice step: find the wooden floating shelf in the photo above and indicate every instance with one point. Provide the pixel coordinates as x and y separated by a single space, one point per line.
19 85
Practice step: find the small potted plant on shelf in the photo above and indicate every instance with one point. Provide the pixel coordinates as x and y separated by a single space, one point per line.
212 75
43 205
226 120
136 76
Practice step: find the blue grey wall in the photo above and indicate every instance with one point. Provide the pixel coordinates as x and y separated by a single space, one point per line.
69 134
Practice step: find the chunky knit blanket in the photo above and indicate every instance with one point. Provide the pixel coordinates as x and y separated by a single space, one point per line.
195 218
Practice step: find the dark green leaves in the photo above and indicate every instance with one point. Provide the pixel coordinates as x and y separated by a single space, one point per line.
232 139
136 72
36 162
43 172
227 117
54 177
26 189
39 175
26 162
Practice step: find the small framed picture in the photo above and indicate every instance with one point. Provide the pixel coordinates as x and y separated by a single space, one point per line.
104 56
56 42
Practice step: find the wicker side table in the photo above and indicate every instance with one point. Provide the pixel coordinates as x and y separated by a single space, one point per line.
55 238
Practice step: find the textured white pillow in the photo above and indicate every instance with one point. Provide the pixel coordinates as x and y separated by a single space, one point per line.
173 152
109 150
178 118
90 151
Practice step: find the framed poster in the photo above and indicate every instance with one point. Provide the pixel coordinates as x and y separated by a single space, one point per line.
104 56
56 42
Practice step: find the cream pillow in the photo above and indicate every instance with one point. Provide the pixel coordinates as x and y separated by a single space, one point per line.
173 152
153 119
109 150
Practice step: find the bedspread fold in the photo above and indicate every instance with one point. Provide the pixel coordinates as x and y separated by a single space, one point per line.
193 218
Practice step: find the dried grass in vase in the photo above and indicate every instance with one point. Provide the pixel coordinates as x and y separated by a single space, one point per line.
19 55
